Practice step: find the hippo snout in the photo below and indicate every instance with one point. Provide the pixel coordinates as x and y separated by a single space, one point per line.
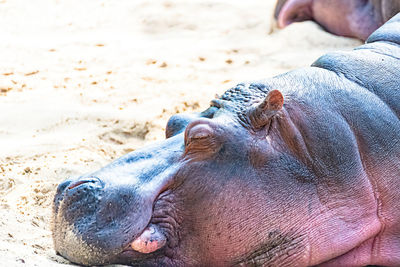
96 220
101 217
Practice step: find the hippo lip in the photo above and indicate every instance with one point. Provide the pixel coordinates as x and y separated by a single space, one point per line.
150 233
152 236
150 240
136 255
131 256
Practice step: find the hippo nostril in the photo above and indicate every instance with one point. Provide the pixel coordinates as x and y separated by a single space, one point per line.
61 187
83 181
76 184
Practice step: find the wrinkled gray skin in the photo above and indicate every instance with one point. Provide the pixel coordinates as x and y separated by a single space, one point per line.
351 18
315 182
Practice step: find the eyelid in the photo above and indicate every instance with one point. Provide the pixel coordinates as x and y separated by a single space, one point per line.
200 135
202 139
198 131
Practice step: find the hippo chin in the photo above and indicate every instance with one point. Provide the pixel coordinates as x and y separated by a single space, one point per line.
299 170
351 18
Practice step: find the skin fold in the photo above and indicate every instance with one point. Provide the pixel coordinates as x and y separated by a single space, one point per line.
355 18
301 169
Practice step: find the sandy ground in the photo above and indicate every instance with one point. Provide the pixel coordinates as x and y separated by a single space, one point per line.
84 82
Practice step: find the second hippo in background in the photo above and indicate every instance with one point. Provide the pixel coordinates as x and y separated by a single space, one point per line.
355 18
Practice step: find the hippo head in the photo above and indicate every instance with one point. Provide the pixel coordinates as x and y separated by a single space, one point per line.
230 185
210 193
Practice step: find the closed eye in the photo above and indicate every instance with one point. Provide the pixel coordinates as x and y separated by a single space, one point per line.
198 133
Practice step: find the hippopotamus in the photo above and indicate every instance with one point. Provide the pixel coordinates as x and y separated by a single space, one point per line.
355 18
301 169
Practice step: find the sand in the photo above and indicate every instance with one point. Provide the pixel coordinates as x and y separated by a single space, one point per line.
84 82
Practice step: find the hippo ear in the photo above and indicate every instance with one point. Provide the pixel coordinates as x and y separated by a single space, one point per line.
261 113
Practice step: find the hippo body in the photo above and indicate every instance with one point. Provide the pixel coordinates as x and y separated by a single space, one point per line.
298 170
354 18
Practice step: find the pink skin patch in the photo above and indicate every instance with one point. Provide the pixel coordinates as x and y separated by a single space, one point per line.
149 241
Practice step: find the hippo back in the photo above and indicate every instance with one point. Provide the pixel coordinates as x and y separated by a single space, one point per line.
374 66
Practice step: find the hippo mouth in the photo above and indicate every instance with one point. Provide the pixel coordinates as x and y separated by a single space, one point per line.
155 243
